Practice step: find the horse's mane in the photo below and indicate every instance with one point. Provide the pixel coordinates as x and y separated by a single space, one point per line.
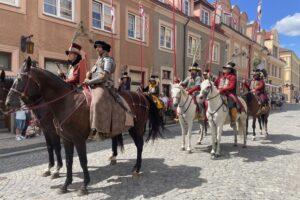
54 77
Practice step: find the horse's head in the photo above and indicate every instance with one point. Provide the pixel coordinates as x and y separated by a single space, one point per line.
5 85
24 87
207 88
177 91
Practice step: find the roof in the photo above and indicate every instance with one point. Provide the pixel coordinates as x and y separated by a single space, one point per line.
268 35
204 2
217 27
284 50
195 19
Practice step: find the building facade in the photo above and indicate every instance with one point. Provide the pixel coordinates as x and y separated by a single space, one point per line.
291 74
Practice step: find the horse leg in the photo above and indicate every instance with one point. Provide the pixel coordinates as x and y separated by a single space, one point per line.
69 149
247 124
139 143
81 150
47 172
183 132
190 127
253 127
260 121
114 146
201 132
220 130
57 149
213 129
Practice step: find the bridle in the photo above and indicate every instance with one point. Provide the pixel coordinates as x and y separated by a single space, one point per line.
208 99
185 102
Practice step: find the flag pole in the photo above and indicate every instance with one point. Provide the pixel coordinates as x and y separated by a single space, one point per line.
141 42
174 41
112 27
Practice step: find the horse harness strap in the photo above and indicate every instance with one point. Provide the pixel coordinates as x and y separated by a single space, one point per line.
58 125
187 106
213 113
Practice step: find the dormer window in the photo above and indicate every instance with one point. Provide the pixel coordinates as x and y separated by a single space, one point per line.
186 7
205 17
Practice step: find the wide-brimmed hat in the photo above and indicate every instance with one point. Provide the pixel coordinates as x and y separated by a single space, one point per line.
124 75
206 72
153 78
74 48
229 65
194 67
103 45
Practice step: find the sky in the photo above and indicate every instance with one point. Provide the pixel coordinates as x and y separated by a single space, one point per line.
284 15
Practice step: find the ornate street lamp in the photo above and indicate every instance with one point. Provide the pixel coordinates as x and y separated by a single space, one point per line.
26 44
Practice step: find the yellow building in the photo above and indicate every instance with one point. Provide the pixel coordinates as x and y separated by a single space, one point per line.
291 73
275 65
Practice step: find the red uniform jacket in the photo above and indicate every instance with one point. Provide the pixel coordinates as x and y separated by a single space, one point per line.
259 86
226 84
74 78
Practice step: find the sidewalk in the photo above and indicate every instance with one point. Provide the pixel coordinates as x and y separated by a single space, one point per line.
10 146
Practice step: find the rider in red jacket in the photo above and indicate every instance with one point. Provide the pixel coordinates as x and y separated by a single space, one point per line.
226 84
74 59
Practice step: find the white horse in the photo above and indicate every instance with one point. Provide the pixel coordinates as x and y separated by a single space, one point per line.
218 116
186 110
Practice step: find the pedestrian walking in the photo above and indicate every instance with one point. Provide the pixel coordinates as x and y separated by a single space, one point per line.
20 124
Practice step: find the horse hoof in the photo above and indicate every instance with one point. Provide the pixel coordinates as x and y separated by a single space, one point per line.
46 173
182 149
198 143
55 175
113 162
261 133
83 191
235 145
244 146
189 151
62 190
253 139
136 174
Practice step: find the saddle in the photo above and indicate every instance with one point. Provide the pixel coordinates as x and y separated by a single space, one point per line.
159 104
239 104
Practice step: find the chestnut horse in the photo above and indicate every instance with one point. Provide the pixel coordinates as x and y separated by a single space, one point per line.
45 118
71 115
253 111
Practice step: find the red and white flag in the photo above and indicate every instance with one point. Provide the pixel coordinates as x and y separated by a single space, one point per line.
112 13
259 13
143 18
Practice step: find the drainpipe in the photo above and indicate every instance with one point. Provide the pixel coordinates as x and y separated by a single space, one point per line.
184 46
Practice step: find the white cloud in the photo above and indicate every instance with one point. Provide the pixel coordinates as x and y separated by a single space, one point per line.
290 25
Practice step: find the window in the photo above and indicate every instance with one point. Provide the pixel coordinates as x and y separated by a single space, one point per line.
134 27
273 70
63 9
226 54
275 51
136 79
102 18
216 53
11 2
193 46
226 19
166 74
205 17
5 60
186 7
52 65
166 36
244 58
242 29
279 73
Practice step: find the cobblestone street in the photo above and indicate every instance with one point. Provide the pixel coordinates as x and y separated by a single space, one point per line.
267 169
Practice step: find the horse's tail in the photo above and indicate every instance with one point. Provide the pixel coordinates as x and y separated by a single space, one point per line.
156 124
120 142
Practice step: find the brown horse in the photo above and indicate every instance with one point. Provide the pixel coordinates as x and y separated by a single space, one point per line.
253 111
45 118
71 114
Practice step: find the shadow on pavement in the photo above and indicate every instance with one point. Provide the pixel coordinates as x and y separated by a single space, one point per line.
279 138
157 178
